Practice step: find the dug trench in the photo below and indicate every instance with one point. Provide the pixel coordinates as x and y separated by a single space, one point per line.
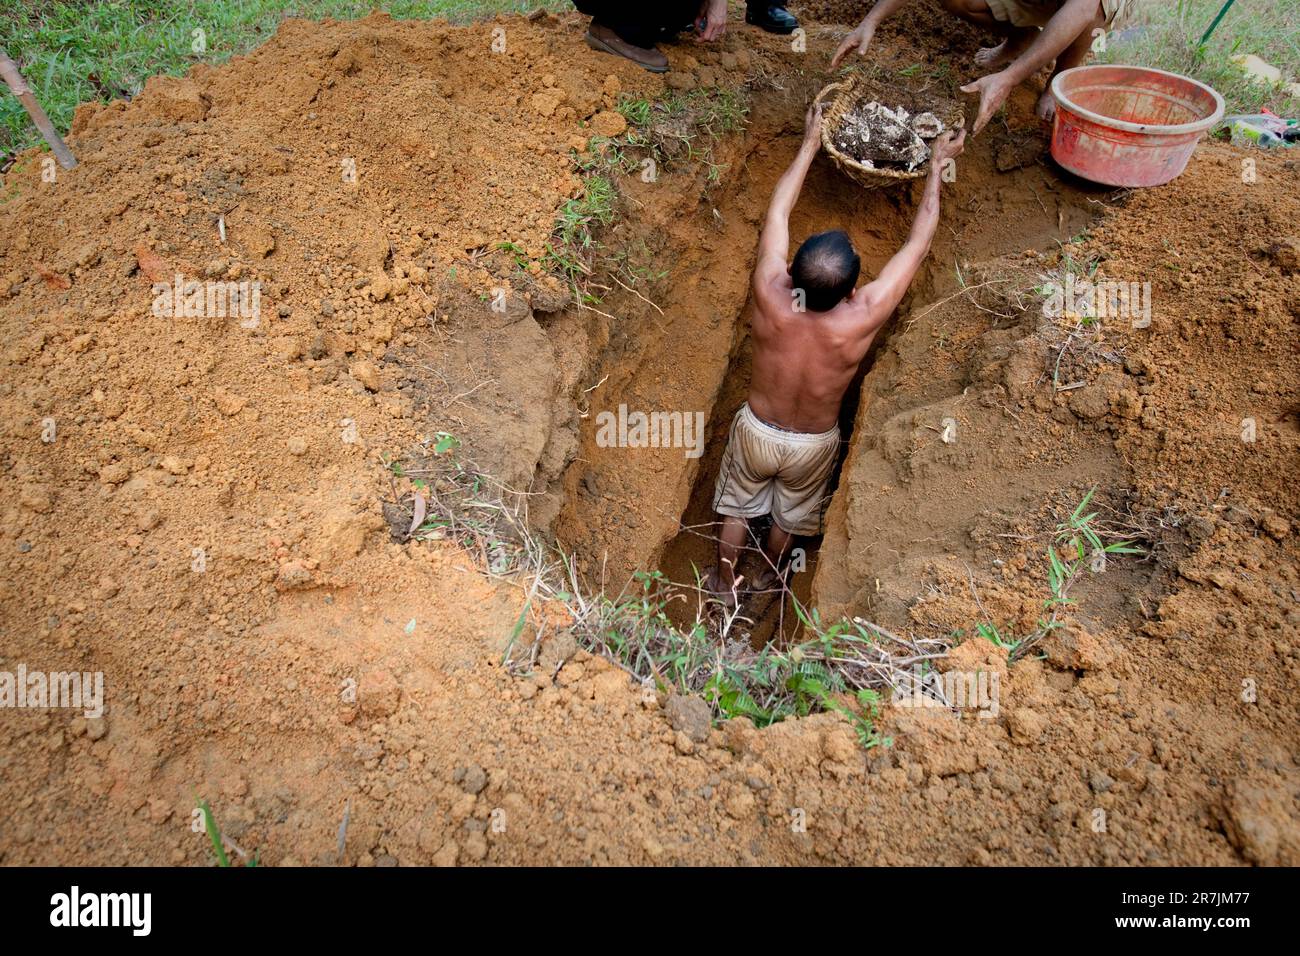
632 509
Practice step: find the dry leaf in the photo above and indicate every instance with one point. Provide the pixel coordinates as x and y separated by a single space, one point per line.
420 507
151 264
51 278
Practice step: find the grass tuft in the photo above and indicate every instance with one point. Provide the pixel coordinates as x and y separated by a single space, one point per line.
1167 35
1079 544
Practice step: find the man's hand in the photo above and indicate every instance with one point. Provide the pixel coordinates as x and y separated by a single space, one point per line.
993 90
859 38
946 147
712 20
812 123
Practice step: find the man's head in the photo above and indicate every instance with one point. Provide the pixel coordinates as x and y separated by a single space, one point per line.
826 269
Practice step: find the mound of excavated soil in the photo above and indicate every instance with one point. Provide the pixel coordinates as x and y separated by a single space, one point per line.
192 501
365 186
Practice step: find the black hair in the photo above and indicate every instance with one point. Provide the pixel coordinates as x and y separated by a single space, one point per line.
826 268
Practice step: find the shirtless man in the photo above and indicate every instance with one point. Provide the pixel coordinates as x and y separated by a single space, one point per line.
1036 32
810 330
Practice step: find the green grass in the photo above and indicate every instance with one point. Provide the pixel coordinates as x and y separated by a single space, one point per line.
72 52
684 126
214 837
573 242
822 672
1173 29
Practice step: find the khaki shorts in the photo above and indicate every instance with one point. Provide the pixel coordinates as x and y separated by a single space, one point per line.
1036 13
768 470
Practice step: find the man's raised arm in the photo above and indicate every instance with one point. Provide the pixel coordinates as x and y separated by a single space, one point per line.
887 290
774 241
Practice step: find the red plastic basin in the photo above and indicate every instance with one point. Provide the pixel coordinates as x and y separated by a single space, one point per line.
1129 125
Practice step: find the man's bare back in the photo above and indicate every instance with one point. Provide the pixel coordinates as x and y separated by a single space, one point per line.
804 361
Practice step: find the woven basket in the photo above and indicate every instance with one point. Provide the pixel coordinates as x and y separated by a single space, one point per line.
846 94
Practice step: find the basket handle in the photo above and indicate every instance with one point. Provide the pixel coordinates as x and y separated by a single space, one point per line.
833 86
817 102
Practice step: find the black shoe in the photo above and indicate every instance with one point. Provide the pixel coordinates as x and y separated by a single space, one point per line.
772 17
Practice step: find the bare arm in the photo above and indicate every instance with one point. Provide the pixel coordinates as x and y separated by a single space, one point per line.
1062 30
862 34
881 296
774 241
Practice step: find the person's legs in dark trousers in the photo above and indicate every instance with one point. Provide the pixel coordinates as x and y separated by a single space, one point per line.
641 24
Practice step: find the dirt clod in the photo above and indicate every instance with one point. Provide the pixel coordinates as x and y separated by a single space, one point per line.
690 716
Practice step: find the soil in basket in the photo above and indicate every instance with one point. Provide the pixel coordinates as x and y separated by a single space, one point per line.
874 138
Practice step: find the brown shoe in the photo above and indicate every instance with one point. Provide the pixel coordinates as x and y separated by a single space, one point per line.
602 38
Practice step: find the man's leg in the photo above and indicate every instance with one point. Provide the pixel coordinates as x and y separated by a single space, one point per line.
619 31
628 21
731 541
631 30
978 12
798 497
743 488
774 551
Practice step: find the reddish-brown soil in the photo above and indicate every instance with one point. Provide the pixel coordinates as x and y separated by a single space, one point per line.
1166 707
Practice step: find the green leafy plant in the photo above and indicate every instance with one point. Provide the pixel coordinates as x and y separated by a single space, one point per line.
1075 537
827 671
993 635
1076 545
446 442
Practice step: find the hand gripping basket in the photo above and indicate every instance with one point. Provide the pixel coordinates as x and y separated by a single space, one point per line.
842 97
